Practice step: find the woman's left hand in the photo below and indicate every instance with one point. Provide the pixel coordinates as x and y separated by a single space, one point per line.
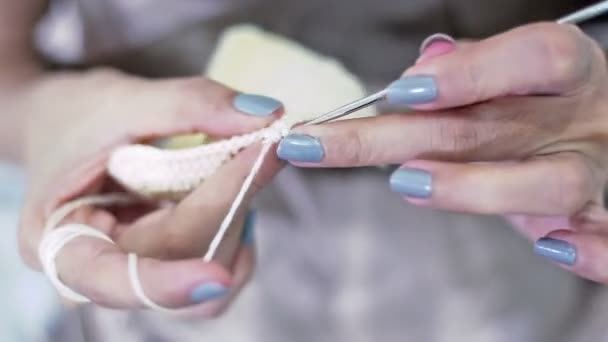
516 125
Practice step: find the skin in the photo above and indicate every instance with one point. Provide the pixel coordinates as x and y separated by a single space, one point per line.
520 129
64 147
529 103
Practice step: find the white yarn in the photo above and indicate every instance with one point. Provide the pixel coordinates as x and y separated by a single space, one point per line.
52 243
156 173
107 199
54 239
138 288
270 137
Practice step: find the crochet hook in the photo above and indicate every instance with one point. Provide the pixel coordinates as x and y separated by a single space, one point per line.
581 15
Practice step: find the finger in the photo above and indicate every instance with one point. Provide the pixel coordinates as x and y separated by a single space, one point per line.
584 254
151 109
436 45
560 184
244 264
593 218
188 228
242 272
534 227
195 104
508 128
218 193
98 270
543 58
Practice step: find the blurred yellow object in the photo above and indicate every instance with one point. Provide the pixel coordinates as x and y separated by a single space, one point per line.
254 61
182 141
257 62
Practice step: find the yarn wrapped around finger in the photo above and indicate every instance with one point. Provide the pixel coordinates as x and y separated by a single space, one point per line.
151 173
55 238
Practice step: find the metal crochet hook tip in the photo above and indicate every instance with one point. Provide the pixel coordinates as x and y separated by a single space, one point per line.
579 16
586 13
348 108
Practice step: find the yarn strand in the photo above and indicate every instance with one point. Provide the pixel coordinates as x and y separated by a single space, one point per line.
219 236
54 237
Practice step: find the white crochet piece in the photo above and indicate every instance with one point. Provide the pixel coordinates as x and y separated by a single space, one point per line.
251 61
152 172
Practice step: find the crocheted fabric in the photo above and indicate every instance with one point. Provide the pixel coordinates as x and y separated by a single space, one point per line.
170 174
251 61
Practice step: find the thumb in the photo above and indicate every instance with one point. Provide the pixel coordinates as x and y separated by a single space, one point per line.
197 104
149 109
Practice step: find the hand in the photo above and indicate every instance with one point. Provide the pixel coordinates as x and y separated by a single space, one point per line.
516 124
75 121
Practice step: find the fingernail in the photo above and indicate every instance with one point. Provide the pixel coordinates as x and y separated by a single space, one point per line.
208 291
436 38
248 228
411 90
300 148
256 105
556 250
412 182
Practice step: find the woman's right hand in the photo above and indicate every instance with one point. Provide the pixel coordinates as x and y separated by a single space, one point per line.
74 121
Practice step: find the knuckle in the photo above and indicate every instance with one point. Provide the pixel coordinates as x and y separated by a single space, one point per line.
454 136
474 76
87 280
559 51
350 148
178 246
188 97
574 186
196 96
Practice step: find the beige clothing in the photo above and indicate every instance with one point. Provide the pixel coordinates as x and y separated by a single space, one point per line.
341 258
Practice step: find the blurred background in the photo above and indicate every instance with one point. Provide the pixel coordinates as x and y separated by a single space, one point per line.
28 303
334 265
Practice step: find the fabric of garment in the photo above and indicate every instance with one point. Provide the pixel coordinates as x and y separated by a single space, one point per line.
341 257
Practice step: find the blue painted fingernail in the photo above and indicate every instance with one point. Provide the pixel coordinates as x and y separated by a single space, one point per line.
256 105
207 291
411 90
412 182
300 148
248 236
556 250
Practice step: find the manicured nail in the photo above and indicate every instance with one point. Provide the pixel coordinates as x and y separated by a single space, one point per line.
412 182
208 291
300 148
256 105
248 236
411 90
436 38
556 250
